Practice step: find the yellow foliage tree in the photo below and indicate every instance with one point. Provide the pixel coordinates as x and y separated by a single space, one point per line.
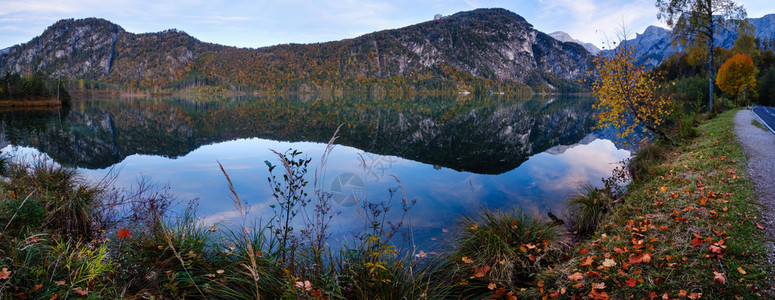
737 75
627 94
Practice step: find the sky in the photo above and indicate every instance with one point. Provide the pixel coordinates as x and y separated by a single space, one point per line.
259 23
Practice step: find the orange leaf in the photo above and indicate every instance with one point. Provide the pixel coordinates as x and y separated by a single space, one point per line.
635 259
123 233
695 296
583 251
576 276
696 242
594 294
491 286
598 286
631 282
587 261
740 269
759 226
481 272
682 293
646 258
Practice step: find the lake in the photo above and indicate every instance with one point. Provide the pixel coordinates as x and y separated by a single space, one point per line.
451 155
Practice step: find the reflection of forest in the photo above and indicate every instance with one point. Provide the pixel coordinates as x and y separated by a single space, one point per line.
483 135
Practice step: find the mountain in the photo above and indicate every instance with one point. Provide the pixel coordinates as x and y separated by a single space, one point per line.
654 44
97 49
564 37
484 46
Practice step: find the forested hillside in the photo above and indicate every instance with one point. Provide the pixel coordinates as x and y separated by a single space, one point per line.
485 48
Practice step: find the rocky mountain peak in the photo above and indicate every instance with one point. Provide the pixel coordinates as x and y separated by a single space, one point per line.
565 37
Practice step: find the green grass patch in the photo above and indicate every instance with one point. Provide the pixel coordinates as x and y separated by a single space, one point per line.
759 125
689 228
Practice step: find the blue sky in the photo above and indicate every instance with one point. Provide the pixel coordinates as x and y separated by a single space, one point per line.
258 23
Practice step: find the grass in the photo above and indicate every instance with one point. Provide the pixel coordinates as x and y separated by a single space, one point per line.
689 228
687 225
759 125
588 208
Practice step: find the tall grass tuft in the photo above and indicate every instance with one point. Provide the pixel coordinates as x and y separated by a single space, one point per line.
503 248
67 198
587 209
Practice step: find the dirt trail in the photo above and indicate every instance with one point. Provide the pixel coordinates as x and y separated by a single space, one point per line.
759 145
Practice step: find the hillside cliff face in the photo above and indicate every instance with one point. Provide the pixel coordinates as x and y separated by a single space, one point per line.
493 44
97 49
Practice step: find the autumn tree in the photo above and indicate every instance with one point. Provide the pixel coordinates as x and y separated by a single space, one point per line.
696 22
746 40
628 95
737 75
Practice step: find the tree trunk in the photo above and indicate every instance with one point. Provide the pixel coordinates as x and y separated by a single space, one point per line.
712 32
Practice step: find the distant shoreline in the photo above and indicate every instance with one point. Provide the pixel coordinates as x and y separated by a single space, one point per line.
30 103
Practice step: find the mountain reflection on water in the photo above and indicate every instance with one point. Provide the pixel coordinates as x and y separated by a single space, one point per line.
452 155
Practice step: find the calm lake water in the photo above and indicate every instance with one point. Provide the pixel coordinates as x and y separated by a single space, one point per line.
451 155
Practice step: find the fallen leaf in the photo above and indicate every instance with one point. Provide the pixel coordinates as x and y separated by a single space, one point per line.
491 286
695 296
646 258
38 286
61 282
609 263
663 189
5 274
467 260
682 293
740 269
123 233
759 226
594 294
719 277
598 286
481 272
631 282
576 276
81 291
587 261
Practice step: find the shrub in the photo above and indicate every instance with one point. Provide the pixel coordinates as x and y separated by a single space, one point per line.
640 165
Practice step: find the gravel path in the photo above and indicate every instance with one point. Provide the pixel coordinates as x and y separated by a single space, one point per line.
760 147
